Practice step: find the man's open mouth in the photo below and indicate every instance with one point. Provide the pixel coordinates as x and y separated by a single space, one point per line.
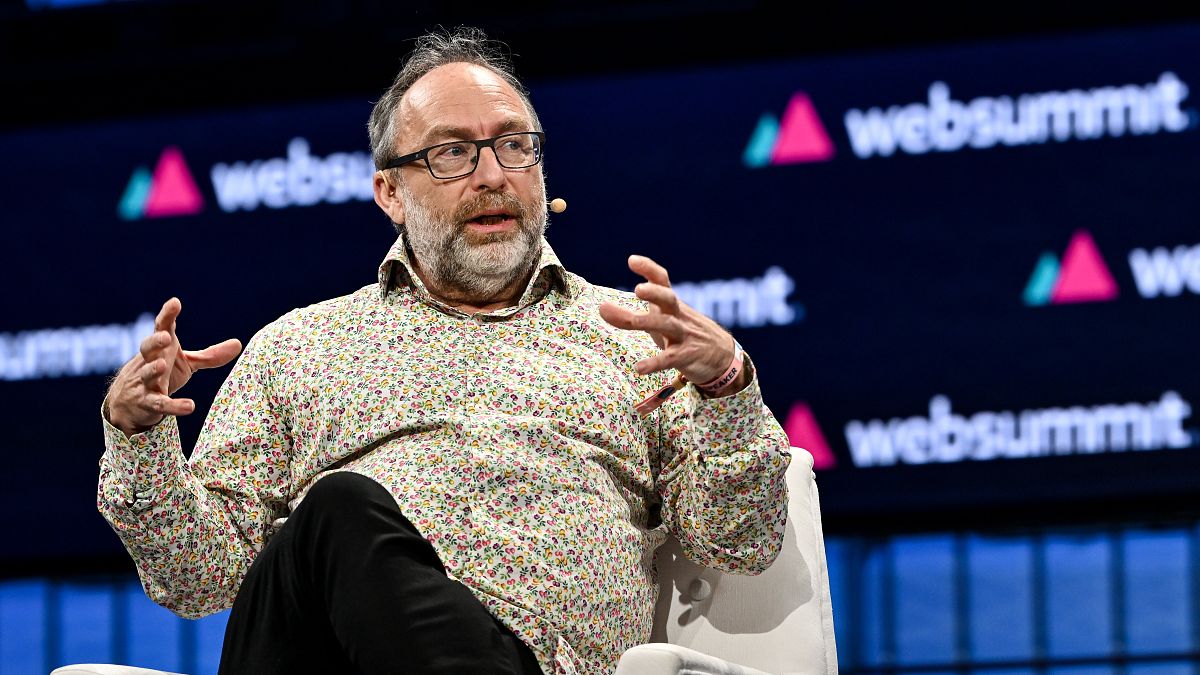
491 219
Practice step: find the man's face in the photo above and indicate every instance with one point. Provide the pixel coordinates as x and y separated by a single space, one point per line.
481 232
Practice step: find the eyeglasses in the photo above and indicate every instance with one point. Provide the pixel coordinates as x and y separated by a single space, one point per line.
459 158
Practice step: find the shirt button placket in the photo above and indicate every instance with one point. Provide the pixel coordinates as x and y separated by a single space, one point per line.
474 384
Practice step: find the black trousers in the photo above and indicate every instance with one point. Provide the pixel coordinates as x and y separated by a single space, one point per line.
348 585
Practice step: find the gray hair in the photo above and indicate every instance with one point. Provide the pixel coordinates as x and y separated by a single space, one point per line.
459 45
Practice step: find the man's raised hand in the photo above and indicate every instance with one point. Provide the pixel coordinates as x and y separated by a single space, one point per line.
692 343
140 395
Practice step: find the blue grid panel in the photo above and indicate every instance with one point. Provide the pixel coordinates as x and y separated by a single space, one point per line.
1081 670
85 619
835 560
1006 671
209 635
1078 596
1157 610
1171 668
153 634
873 648
1000 591
925 608
23 627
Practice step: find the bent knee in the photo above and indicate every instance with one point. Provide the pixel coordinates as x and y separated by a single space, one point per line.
344 488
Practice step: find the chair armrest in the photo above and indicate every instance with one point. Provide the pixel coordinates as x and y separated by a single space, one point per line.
105 669
659 658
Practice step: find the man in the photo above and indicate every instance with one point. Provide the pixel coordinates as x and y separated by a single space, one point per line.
465 467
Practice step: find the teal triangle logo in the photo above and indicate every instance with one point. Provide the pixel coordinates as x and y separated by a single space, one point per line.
1041 282
133 201
762 142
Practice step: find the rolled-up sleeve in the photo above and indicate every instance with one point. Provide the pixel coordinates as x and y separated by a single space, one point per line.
721 465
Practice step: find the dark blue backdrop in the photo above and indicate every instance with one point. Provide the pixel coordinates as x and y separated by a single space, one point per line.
863 287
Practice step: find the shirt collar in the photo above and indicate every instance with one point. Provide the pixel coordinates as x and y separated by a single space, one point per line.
396 271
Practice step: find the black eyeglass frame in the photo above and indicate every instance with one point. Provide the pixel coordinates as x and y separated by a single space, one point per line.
479 146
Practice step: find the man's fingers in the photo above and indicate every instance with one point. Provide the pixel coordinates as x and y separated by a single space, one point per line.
661 297
615 314
216 355
663 360
151 374
154 344
165 405
649 269
166 316
652 323
623 317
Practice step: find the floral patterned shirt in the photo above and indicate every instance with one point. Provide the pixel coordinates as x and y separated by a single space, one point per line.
509 438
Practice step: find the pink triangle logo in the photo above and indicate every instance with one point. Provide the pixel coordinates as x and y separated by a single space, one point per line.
1083 276
172 190
804 432
802 138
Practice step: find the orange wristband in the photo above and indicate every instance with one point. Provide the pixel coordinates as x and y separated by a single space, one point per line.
656 399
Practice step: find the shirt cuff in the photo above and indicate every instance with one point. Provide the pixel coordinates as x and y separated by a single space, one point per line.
137 469
730 423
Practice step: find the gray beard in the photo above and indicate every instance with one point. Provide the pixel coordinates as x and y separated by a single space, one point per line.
479 271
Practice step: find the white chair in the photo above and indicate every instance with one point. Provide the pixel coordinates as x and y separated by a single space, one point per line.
778 623
709 623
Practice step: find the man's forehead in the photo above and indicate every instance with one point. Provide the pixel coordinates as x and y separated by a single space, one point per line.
457 94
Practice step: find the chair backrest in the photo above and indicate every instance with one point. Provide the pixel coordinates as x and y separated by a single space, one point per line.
780 621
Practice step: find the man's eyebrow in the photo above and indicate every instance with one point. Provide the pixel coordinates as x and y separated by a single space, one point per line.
444 133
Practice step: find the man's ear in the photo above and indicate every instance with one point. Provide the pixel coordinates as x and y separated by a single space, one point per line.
387 196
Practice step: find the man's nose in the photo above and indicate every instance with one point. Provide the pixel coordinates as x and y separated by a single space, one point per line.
488 172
